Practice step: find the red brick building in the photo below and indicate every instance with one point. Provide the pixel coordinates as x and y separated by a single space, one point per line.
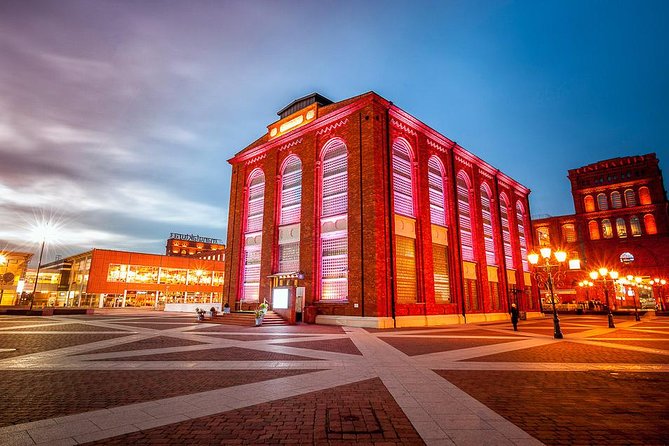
621 223
373 218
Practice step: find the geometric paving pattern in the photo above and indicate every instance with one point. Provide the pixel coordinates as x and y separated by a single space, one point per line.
144 377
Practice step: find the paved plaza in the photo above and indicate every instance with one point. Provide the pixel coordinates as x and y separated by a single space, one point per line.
124 378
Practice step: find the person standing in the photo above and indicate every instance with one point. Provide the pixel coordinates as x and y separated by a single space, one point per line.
514 316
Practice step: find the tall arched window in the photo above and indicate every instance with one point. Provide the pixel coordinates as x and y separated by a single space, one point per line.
589 203
506 232
405 230
593 229
334 221
630 198
649 223
568 233
290 215
602 203
635 226
644 195
616 200
607 229
488 239
522 242
255 202
435 179
621 228
464 210
440 255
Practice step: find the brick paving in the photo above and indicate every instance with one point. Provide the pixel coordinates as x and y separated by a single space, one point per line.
331 385
566 351
34 343
593 408
361 413
149 343
413 346
36 395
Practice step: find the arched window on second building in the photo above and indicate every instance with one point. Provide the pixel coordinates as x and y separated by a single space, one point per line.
649 224
334 221
630 198
602 202
644 196
593 229
467 243
635 226
616 200
621 228
290 215
255 202
440 252
522 241
607 229
490 245
405 223
568 233
506 232
589 203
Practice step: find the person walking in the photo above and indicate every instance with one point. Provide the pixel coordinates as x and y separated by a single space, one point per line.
514 316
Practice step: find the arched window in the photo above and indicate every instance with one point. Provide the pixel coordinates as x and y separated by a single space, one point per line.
334 221
593 229
403 178
435 179
405 237
440 254
568 233
621 228
290 215
488 240
506 233
602 203
589 203
255 202
644 195
607 229
544 236
635 226
616 200
522 242
464 210
649 223
630 198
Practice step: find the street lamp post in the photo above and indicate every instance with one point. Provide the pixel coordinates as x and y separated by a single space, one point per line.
39 265
637 282
603 272
551 271
3 261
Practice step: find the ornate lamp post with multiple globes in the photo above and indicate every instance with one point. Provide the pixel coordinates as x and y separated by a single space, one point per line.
550 272
603 272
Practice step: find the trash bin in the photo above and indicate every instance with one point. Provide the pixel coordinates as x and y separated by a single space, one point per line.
522 315
309 314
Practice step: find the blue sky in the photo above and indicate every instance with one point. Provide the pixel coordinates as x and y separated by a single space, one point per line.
117 117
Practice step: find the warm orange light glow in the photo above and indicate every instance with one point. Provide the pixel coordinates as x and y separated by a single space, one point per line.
545 252
630 277
574 264
594 275
3 259
663 282
613 274
533 258
603 271
560 256
638 279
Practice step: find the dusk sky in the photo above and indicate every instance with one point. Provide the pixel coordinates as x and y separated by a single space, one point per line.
117 117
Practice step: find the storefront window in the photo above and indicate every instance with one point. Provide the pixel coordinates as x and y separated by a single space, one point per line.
142 274
199 277
173 275
117 273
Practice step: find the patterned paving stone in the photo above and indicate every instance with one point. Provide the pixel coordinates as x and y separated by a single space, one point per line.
548 331
150 343
161 326
452 332
33 343
360 413
36 395
70 327
249 337
343 345
565 351
218 354
662 344
413 346
585 408
619 333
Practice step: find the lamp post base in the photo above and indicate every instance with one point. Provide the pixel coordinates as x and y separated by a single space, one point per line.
557 331
637 317
611 324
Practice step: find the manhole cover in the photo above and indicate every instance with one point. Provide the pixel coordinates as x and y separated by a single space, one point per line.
356 420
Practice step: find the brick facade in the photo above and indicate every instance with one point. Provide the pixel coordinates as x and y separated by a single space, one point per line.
368 125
